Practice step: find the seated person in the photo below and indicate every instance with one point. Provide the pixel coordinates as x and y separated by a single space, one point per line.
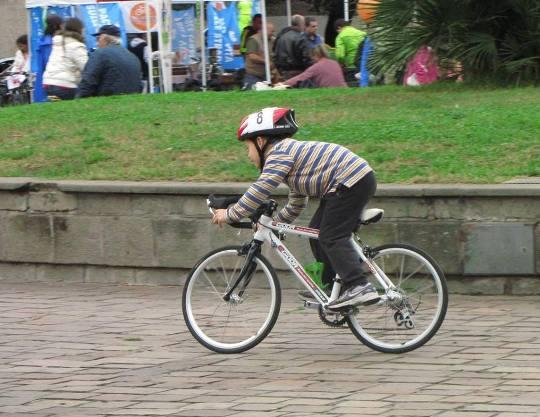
16 73
255 60
21 63
111 69
324 73
249 31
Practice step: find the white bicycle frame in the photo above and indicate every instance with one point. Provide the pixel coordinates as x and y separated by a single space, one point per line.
264 234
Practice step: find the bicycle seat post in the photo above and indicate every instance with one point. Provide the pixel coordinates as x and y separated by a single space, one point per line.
336 288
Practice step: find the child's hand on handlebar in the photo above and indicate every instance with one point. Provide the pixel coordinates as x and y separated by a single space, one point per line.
219 217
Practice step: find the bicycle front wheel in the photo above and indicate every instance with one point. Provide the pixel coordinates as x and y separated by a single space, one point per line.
244 320
409 314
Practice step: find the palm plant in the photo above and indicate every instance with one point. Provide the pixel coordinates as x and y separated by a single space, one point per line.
492 40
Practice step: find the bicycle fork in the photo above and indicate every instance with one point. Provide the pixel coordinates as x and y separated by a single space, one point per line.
246 273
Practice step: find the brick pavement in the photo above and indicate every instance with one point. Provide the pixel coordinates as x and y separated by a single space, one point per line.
100 350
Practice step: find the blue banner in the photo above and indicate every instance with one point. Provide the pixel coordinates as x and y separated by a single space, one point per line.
223 34
183 36
65 12
36 19
96 15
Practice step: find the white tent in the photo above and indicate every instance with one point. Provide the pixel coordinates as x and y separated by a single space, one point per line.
163 8
44 3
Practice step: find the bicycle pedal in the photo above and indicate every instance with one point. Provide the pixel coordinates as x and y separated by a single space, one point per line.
345 310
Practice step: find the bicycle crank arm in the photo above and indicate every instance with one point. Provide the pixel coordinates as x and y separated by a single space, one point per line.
311 304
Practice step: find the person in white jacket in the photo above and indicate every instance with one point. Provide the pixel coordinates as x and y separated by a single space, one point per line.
67 61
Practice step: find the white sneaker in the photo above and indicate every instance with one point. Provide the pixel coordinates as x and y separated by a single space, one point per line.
360 294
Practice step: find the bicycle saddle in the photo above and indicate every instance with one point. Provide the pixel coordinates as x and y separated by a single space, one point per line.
371 215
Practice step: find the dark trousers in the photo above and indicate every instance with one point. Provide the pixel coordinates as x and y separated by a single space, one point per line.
350 79
336 218
61 92
250 80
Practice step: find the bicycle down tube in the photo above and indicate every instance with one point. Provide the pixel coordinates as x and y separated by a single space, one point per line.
266 235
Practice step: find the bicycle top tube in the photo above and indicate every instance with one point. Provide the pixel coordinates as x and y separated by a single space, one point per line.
262 216
289 228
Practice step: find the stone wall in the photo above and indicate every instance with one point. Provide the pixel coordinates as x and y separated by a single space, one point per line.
486 238
14 24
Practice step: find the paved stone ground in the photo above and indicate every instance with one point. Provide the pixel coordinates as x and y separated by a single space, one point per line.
94 350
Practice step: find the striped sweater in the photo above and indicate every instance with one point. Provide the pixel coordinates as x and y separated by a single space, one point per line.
310 169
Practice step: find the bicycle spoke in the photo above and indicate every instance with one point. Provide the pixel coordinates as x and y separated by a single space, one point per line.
243 320
410 317
401 269
412 273
212 285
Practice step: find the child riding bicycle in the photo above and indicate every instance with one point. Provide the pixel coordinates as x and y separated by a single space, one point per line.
342 180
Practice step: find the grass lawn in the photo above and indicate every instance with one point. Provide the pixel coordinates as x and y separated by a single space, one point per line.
436 134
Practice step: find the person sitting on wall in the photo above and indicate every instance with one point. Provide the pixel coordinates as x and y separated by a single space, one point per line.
139 47
249 31
255 59
324 73
67 61
111 69
21 64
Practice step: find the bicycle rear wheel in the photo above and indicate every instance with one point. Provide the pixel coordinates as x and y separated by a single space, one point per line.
409 315
247 318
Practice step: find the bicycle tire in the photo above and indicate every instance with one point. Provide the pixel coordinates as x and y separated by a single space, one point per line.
197 321
358 323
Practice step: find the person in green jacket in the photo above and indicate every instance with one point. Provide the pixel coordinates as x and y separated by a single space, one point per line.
244 14
348 42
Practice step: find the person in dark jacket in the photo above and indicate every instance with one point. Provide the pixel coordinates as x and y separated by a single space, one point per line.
291 52
111 69
139 47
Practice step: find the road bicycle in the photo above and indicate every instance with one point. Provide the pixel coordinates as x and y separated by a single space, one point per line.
232 296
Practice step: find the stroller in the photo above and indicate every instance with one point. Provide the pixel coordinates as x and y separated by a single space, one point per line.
15 89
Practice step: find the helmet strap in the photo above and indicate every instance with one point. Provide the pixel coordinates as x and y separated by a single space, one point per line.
261 151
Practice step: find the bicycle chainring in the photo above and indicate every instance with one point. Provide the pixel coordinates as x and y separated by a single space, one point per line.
332 319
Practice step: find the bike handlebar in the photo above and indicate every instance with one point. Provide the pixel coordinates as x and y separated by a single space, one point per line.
214 202
267 208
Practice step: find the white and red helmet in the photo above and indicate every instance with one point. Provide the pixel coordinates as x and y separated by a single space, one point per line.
271 121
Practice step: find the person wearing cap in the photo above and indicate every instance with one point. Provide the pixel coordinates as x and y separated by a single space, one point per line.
111 69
